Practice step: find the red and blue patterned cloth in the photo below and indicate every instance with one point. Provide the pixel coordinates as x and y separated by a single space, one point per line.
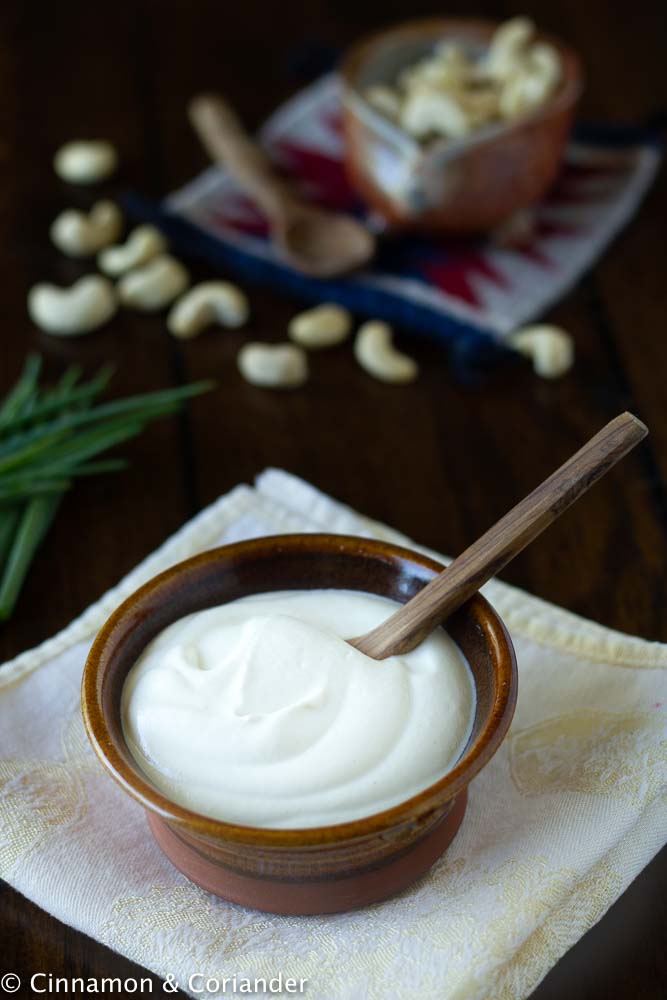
469 292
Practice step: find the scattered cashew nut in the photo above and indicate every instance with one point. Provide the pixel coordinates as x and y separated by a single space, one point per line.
81 235
155 285
375 352
207 303
85 162
550 348
323 326
84 306
143 243
273 366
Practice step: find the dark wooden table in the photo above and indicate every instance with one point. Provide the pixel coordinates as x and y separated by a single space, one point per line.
439 460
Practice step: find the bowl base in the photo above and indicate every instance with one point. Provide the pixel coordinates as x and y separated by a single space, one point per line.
311 896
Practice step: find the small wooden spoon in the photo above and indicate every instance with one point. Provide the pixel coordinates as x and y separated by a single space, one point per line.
408 626
314 241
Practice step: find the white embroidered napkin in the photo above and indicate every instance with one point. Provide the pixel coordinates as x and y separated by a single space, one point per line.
561 821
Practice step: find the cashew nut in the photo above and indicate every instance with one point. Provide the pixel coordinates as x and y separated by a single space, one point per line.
454 56
428 111
385 100
155 285
508 46
375 352
480 104
323 326
550 348
82 307
142 244
81 235
273 366
451 91
85 162
207 303
545 62
449 68
532 82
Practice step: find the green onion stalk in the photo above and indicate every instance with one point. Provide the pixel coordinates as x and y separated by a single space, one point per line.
49 438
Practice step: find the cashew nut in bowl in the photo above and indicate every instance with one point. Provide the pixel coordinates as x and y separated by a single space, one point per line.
453 58
210 302
550 348
448 68
480 105
84 306
545 62
385 100
508 45
81 235
273 366
85 162
532 83
431 111
323 326
375 352
453 91
155 285
143 243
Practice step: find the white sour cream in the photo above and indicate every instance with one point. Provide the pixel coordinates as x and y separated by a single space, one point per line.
258 712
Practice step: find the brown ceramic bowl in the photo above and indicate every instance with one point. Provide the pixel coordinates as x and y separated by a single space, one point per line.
469 185
322 869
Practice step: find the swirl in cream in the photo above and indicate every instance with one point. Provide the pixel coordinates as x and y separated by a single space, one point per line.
258 712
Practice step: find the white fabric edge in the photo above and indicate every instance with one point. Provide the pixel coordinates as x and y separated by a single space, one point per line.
524 614
635 850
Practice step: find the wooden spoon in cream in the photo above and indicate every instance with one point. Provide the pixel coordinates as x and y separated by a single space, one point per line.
410 625
313 241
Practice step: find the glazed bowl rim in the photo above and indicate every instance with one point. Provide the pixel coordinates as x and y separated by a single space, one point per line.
477 754
568 93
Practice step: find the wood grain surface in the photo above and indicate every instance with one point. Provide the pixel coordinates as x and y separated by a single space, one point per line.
440 460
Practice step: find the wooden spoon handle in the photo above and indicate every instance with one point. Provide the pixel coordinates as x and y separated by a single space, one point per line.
406 628
226 141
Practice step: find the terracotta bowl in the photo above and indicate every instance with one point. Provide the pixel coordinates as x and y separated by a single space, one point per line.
468 185
323 869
